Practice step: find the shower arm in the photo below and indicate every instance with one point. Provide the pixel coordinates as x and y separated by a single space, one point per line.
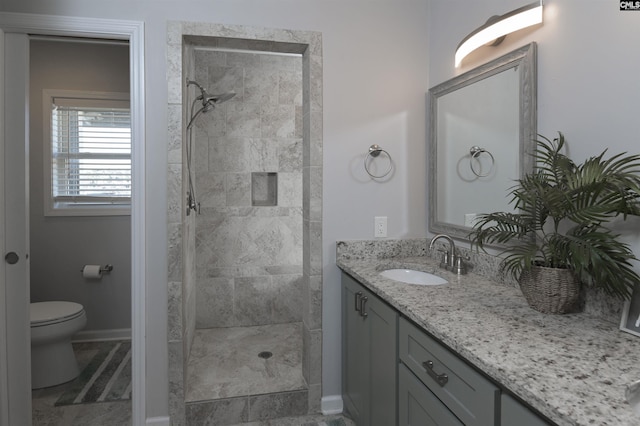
203 92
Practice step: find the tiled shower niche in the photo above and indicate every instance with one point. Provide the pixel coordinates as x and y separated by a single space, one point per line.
249 266
264 189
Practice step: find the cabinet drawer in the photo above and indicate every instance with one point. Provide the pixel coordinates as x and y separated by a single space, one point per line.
418 406
472 398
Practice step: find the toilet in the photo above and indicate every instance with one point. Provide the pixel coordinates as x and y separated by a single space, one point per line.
52 326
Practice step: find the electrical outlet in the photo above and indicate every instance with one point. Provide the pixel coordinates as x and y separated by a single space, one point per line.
470 219
380 226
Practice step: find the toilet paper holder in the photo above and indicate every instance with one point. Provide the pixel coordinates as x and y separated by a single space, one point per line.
103 269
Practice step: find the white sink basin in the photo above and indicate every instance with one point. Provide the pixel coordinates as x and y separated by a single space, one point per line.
411 276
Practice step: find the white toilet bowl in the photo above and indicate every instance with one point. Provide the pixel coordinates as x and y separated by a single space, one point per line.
52 326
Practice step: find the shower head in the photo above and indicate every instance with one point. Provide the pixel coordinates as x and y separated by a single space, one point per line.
218 99
210 101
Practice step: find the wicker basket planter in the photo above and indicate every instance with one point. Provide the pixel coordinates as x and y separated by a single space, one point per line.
551 290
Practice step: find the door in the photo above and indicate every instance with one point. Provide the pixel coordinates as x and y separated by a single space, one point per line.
17 346
382 332
369 356
355 358
15 338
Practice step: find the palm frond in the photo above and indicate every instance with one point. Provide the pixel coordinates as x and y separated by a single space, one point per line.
559 192
599 258
500 228
519 258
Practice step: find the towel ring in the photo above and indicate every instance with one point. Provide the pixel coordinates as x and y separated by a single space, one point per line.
476 152
374 151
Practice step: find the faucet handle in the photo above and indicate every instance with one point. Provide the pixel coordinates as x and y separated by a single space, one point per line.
444 262
458 265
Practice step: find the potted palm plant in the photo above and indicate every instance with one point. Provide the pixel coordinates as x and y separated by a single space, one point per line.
558 237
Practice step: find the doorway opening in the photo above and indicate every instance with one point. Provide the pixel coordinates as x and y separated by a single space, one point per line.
15 387
246 271
79 202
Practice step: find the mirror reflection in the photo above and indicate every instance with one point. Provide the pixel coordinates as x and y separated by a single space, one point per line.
482 127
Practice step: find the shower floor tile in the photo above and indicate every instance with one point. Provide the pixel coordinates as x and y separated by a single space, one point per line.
225 362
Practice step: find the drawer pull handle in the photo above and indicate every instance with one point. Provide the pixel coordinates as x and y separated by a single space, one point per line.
363 301
358 295
441 379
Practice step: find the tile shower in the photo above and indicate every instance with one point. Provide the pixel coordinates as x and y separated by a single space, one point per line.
249 180
245 274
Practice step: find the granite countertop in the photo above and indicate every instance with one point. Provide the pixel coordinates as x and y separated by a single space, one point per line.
571 368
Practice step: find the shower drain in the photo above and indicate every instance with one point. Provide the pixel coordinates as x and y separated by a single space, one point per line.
265 354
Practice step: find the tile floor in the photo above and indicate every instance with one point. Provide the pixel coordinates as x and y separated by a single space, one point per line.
243 372
45 413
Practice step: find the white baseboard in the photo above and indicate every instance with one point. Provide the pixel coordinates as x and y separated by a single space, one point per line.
101 335
158 421
331 405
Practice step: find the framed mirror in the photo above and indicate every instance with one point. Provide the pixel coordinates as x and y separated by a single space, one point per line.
482 131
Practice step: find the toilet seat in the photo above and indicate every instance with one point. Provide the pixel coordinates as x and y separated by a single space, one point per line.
48 313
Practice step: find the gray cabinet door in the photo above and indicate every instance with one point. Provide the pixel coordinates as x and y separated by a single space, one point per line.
381 325
369 358
514 413
417 406
355 388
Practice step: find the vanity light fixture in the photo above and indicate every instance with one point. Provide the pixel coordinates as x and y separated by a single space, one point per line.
497 27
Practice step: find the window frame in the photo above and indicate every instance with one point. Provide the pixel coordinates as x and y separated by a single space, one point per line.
61 208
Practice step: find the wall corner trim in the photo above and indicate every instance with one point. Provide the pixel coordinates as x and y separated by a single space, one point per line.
158 421
331 405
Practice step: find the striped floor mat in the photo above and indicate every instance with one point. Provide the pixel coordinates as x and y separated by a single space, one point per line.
107 376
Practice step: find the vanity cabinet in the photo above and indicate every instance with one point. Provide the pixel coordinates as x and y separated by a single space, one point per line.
465 396
394 373
369 359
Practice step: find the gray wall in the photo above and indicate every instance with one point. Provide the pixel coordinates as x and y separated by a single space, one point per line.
249 258
60 246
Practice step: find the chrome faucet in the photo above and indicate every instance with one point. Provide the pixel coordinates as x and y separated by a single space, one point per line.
450 260
448 257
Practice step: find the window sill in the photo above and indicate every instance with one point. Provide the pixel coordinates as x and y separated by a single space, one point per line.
63 209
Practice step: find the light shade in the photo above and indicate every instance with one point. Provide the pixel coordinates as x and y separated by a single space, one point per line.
517 19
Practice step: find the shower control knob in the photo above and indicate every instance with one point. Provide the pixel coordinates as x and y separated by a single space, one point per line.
12 258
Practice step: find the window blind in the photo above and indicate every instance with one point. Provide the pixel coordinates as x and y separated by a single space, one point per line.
90 152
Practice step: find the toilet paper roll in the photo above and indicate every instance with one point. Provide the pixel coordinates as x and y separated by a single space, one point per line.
92 271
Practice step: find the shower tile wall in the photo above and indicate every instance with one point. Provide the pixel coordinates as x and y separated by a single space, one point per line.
249 258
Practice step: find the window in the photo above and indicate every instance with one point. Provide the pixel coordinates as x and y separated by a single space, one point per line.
88 154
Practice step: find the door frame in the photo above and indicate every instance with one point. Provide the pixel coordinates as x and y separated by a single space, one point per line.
133 31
